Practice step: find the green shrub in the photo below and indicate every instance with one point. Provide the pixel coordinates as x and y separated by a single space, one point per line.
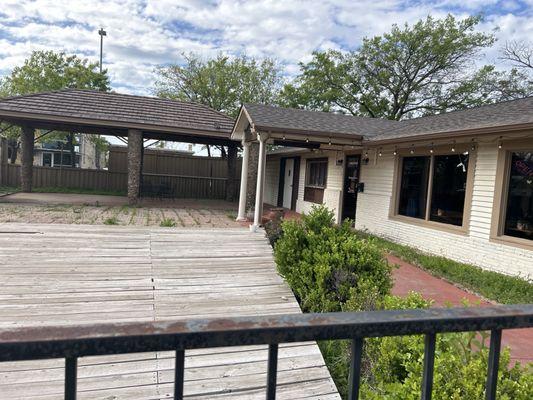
392 366
326 264
167 223
395 370
111 221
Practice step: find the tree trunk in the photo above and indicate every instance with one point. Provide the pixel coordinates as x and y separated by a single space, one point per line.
72 150
13 145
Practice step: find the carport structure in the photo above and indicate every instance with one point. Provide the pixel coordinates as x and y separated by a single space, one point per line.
136 118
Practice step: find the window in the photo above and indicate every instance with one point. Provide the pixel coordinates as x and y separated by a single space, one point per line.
315 180
518 219
62 159
433 188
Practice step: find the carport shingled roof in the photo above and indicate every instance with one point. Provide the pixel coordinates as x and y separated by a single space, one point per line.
120 108
303 121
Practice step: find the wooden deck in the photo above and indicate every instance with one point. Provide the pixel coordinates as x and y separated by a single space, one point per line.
81 274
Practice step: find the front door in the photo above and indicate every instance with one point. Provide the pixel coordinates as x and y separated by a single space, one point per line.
288 182
351 178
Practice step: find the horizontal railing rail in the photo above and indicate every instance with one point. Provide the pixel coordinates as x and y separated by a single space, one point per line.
71 342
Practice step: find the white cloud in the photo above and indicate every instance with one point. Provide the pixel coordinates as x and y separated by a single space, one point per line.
146 33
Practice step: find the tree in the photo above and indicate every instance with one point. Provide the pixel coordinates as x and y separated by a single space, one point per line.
411 71
45 71
519 53
221 83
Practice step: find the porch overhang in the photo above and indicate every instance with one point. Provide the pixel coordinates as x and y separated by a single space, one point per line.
247 129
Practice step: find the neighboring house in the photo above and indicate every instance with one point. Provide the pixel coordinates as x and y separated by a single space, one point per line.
89 155
458 184
57 154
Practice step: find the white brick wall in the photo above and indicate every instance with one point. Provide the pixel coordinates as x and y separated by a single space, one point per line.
475 248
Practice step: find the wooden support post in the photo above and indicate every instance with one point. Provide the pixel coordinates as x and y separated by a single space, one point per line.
232 172
27 138
135 144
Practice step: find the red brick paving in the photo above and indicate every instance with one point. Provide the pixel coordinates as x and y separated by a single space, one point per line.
408 278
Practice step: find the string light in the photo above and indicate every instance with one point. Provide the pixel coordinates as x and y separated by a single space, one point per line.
329 141
366 153
380 152
453 147
500 143
306 140
283 137
353 146
473 147
395 152
412 149
431 150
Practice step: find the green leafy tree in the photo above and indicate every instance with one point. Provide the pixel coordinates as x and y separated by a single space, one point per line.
425 68
221 83
45 71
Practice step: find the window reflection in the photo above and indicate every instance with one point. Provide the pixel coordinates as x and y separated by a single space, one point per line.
413 189
449 188
519 212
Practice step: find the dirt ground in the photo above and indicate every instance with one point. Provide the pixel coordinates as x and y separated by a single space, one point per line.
185 214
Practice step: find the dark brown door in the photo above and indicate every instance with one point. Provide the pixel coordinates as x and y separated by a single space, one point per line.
351 178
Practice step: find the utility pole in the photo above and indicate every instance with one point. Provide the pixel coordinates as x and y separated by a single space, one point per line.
102 33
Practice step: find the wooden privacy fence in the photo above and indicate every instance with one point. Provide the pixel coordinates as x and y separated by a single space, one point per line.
196 187
154 185
75 178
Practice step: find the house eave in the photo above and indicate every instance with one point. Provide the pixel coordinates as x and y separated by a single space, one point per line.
450 134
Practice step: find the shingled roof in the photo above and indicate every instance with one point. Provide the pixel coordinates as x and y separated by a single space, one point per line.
513 114
117 110
488 118
304 121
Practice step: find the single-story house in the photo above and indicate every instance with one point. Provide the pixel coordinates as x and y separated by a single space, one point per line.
457 184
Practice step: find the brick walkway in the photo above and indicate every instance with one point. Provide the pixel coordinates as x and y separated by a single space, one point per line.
408 278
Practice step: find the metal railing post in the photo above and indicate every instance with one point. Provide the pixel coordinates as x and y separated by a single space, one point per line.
354 380
429 364
179 374
272 373
71 378
494 360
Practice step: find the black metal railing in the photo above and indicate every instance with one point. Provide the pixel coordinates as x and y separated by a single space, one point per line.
68 342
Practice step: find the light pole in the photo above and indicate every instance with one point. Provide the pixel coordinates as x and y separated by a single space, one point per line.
102 33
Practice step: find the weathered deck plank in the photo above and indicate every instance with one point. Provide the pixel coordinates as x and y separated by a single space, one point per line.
66 274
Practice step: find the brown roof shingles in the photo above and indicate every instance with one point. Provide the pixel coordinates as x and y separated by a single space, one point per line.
120 108
292 119
489 117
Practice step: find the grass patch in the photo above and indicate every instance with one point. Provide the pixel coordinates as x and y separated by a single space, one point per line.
78 191
111 221
498 287
8 190
167 223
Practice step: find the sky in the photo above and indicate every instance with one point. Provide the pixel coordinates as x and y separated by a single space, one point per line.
142 34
